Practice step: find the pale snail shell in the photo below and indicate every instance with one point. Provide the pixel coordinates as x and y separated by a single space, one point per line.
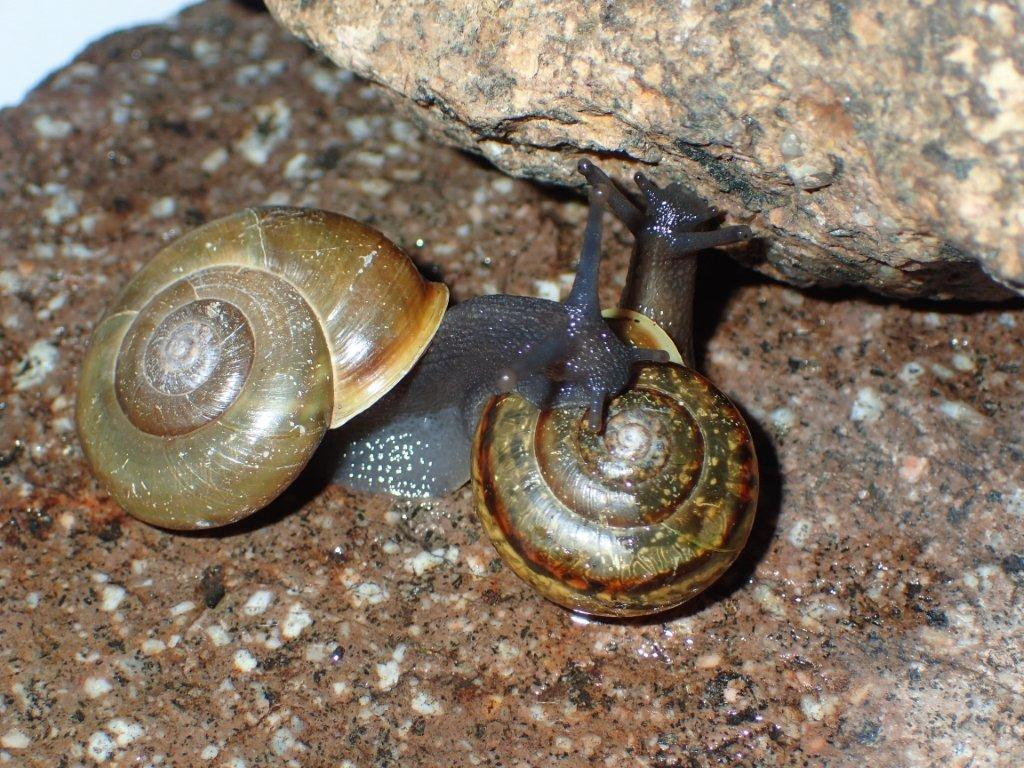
214 375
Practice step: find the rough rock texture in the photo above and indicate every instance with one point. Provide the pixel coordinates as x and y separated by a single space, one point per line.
875 618
875 144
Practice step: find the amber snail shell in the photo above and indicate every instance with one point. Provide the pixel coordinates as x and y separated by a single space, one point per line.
213 376
631 521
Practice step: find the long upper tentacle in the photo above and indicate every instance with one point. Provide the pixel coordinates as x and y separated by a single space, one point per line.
620 205
584 286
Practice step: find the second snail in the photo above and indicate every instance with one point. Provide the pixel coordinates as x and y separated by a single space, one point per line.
614 482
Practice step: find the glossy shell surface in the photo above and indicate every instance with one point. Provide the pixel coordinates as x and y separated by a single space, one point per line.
214 375
640 331
632 521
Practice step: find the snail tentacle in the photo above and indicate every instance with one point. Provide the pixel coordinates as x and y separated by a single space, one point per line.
620 205
584 285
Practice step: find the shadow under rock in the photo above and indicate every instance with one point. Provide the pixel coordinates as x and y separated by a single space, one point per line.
719 276
256 6
721 273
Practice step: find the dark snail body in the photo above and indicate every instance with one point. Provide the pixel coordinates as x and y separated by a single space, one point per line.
416 441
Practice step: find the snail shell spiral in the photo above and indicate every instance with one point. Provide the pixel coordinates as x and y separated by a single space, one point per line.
214 375
628 522
635 510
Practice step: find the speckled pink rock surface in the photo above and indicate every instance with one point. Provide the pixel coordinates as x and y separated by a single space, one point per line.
875 618
876 144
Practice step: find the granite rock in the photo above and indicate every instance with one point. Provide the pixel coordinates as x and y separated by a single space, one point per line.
875 618
874 144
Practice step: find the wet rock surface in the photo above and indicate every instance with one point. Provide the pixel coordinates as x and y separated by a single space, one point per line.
870 144
875 617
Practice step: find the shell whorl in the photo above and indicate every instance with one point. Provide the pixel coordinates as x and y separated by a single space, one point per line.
632 521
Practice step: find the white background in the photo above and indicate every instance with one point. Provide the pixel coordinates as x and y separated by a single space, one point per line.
38 36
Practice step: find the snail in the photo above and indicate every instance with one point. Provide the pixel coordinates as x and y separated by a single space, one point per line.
215 374
620 514
212 378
